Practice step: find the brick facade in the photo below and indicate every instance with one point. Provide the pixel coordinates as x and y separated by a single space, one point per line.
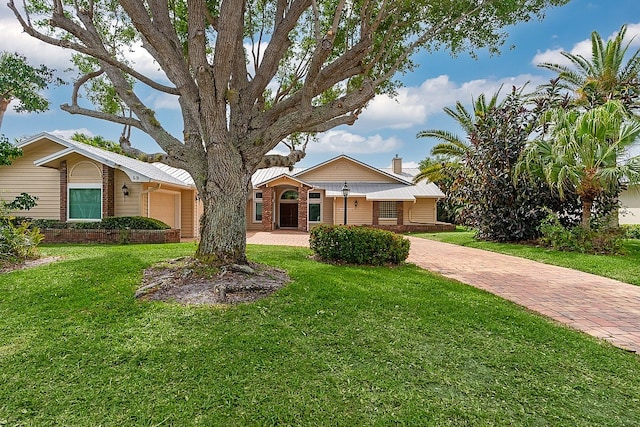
267 208
400 213
303 208
63 190
376 213
108 183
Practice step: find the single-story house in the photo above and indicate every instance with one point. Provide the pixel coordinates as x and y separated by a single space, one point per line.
78 182
302 198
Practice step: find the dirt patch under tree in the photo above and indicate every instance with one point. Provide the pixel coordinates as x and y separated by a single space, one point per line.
187 281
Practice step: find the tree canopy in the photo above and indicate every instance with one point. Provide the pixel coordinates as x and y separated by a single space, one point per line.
249 74
23 82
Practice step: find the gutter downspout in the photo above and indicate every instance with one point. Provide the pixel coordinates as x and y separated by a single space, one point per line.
147 192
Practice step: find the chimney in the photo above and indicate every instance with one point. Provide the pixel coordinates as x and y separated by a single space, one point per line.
396 165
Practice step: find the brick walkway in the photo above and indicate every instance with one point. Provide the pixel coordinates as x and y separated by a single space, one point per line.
598 306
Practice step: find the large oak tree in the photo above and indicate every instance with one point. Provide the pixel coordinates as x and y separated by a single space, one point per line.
249 74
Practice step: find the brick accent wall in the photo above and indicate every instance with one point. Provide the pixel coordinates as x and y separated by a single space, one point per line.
63 190
108 183
400 213
267 208
55 235
303 208
376 213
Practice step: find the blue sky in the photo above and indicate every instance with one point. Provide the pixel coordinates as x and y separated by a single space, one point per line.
388 126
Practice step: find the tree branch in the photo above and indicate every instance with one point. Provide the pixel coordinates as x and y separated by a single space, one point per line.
87 50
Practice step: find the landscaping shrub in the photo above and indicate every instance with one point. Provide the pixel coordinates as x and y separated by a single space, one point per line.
631 231
603 240
358 245
18 242
132 223
107 223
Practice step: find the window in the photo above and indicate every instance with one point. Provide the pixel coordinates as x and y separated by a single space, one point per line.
289 195
315 207
257 207
85 202
387 210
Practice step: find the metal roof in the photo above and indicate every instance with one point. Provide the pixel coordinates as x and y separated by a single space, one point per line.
404 189
381 192
137 170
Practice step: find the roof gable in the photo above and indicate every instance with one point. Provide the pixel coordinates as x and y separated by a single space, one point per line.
344 168
138 171
283 179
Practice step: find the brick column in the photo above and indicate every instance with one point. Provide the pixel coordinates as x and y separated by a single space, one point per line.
108 182
63 191
376 213
400 213
267 209
303 207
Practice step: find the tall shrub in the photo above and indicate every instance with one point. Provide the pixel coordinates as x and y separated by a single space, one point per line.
498 207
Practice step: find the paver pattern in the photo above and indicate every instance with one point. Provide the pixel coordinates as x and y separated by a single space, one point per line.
602 307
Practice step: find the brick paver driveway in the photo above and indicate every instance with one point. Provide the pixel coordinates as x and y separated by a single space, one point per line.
605 308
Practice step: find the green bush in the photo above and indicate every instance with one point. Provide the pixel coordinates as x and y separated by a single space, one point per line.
358 245
18 242
604 240
44 223
107 223
631 231
133 223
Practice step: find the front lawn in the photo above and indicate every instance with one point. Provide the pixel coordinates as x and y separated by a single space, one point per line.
625 268
339 346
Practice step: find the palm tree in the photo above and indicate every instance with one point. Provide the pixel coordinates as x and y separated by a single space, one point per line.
586 153
605 76
451 151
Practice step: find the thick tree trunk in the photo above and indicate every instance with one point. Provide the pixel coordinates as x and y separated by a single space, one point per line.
223 226
586 213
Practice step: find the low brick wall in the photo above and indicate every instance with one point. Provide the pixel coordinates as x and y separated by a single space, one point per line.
417 228
55 235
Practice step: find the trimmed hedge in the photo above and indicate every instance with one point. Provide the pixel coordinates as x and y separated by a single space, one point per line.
358 245
107 223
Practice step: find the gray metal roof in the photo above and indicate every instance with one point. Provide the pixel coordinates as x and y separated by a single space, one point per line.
137 170
160 172
381 192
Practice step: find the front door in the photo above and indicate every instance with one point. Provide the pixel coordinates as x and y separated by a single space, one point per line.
289 215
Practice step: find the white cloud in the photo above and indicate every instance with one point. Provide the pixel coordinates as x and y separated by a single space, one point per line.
414 105
68 133
15 40
343 142
583 48
163 101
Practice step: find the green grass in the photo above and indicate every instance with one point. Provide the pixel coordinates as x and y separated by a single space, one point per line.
625 268
339 346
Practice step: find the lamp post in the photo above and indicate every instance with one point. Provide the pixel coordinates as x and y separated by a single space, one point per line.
345 193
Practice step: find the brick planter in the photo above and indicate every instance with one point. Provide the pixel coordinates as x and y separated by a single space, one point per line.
55 235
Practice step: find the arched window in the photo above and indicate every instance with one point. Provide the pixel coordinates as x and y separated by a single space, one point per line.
289 195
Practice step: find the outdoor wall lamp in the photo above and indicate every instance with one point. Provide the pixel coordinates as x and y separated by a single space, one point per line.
345 193
125 190
355 203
